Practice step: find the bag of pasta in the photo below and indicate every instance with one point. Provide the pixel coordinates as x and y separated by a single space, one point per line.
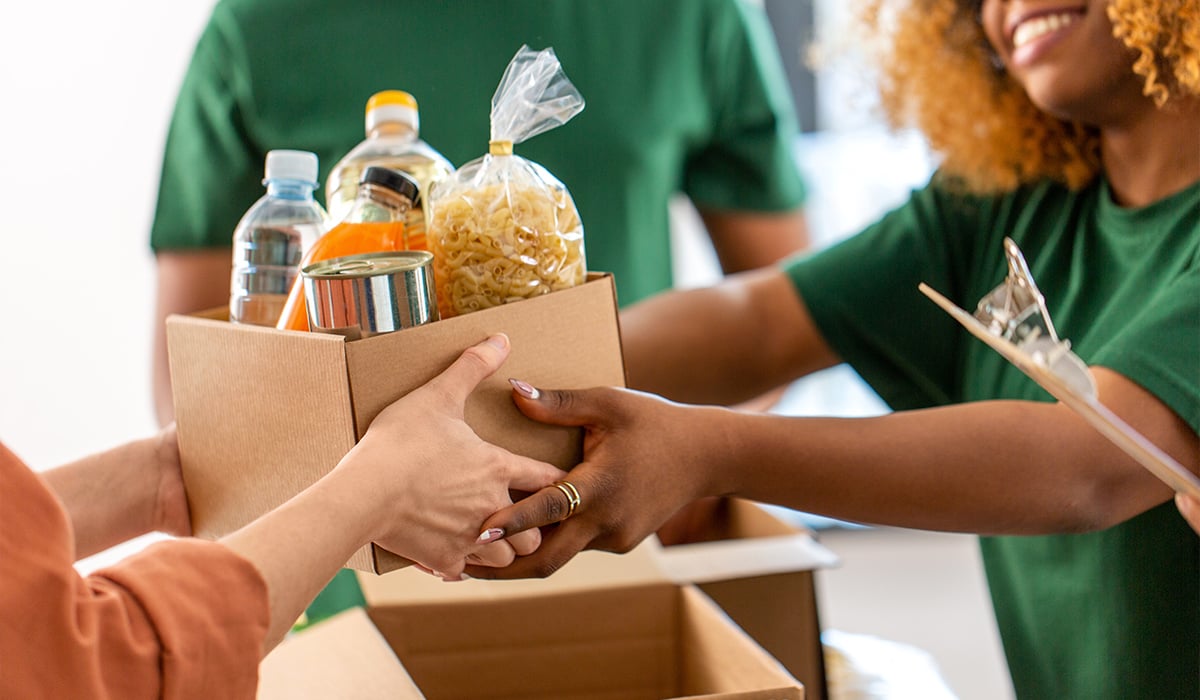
502 228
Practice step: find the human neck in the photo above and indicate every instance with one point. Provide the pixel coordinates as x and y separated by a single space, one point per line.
1154 155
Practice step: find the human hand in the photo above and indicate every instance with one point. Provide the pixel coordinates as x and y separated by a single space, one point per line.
1189 508
644 459
433 481
171 512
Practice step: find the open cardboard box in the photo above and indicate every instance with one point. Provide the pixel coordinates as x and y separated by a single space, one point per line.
262 413
656 640
761 570
757 567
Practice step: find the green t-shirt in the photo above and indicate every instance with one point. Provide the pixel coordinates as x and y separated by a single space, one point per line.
682 96
1109 614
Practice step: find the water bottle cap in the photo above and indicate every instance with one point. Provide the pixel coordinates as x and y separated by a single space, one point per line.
391 106
392 179
291 165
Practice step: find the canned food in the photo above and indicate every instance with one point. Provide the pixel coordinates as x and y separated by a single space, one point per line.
359 296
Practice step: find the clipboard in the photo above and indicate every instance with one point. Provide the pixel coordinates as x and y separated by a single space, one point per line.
1012 320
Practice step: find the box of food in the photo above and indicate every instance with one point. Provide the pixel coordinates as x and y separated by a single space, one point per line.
654 640
262 413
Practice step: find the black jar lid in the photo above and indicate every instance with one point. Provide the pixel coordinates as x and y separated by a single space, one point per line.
392 179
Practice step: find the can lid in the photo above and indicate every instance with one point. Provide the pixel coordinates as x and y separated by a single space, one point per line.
368 264
391 106
291 165
394 180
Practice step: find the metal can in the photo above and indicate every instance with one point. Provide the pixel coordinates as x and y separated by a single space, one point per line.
359 296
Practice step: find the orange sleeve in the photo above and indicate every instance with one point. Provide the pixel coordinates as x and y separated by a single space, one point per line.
182 619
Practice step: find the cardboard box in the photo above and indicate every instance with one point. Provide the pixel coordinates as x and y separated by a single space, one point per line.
262 413
760 570
652 641
757 567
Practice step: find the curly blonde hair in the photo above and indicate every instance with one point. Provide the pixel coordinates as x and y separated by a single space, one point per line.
937 72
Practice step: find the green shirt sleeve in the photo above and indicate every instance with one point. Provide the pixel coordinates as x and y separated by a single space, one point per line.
749 163
862 294
1159 348
212 168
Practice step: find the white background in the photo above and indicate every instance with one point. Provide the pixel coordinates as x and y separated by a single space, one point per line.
87 90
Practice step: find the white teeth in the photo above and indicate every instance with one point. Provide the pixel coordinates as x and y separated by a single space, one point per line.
1032 29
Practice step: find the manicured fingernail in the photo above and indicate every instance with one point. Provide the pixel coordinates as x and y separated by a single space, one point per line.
525 390
498 341
490 535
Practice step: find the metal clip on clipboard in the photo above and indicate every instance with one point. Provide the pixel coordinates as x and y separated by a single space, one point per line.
1012 319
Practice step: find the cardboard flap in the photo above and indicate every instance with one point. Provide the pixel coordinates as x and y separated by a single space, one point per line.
714 661
386 367
259 420
588 570
715 561
342 657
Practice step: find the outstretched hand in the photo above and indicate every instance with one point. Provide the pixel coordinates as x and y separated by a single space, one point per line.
644 459
435 480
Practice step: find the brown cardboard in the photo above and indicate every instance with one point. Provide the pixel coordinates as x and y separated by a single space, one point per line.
656 640
757 567
262 414
761 571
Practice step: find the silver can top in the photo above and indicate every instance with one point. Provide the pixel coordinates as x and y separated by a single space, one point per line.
368 264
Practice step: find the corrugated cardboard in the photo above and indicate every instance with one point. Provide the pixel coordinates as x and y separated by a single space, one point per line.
761 571
656 640
263 413
757 567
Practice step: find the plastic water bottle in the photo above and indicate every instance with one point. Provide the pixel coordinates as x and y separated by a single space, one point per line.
272 237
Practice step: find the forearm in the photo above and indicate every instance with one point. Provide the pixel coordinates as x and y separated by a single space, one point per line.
299 546
112 496
722 344
1000 467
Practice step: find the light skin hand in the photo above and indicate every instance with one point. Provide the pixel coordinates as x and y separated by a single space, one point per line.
451 483
119 494
420 483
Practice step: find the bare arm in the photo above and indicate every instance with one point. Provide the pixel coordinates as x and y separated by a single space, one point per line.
749 240
119 494
187 281
993 467
768 338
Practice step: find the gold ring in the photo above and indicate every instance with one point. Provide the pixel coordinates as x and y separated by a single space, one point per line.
568 489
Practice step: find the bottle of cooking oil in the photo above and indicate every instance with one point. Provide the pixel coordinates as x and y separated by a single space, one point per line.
393 141
272 236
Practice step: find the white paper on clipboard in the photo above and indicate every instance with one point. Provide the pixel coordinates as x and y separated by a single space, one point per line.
1066 385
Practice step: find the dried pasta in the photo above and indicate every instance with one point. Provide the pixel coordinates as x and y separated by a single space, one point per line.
503 242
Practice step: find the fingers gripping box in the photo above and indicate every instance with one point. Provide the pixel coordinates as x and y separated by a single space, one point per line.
263 413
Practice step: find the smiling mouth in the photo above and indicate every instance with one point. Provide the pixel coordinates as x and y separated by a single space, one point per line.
1036 27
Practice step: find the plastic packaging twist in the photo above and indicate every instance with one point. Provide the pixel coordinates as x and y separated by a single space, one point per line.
502 228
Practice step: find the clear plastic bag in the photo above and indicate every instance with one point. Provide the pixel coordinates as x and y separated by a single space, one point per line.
502 228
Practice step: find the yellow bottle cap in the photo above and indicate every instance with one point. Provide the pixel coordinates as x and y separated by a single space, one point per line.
391 106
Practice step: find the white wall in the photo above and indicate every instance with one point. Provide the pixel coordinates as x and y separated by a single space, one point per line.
87 90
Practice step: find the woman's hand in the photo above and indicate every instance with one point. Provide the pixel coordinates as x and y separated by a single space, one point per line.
171 513
1189 507
644 459
437 480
